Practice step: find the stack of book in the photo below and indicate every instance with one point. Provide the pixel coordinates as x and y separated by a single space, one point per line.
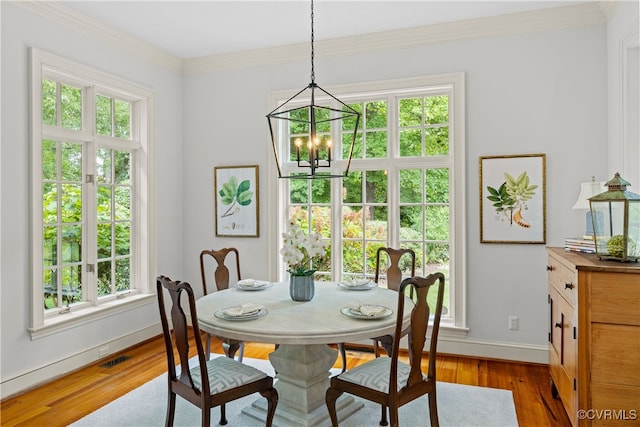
580 245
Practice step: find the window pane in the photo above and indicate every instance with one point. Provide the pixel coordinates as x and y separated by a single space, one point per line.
103 165
71 161
376 186
321 220
123 274
437 109
320 190
352 188
71 107
376 144
376 222
103 115
104 203
437 185
49 102
50 288
376 115
411 222
71 243
71 203
122 119
71 284
352 256
123 238
410 142
437 220
49 160
123 203
298 191
352 222
410 186
104 240
104 278
410 112
357 145
437 141
49 203
50 246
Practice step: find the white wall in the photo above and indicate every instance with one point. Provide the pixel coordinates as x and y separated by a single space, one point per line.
539 92
20 356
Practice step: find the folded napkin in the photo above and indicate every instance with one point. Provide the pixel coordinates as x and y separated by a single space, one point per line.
368 309
357 282
247 282
243 310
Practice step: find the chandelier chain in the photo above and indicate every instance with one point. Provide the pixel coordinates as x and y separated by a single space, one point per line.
313 74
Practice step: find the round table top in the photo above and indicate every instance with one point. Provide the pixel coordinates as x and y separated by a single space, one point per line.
318 321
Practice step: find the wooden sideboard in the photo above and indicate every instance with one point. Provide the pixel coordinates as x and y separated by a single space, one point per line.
594 338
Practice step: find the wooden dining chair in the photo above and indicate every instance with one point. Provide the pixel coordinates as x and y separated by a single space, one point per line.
222 279
210 383
394 278
388 381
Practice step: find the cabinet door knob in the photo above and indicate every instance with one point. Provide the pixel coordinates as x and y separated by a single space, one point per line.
549 268
558 325
568 285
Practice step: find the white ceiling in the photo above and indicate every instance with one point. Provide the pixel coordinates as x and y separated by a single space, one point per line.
190 29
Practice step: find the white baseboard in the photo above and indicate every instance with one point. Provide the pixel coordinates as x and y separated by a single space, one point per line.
62 367
495 350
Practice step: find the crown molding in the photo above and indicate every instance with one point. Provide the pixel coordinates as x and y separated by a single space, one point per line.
516 23
91 27
585 14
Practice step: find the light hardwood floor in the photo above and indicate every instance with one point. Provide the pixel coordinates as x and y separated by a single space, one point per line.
73 396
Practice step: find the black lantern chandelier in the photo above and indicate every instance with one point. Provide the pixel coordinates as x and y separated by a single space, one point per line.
308 127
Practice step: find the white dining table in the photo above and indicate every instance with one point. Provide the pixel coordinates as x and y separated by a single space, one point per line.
302 331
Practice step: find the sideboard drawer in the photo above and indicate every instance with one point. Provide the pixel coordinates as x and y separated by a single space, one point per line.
615 299
564 279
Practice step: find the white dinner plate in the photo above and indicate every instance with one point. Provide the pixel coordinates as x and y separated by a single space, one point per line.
351 312
220 314
357 287
257 285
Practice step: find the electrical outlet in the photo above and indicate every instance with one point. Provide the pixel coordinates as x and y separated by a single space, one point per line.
103 351
514 323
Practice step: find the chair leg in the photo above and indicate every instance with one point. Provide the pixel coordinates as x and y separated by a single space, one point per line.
393 416
376 348
330 399
230 349
171 409
383 416
387 344
433 409
272 401
207 349
206 416
241 352
223 415
343 355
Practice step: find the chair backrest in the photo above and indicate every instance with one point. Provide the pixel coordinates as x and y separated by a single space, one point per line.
394 271
179 342
221 274
420 288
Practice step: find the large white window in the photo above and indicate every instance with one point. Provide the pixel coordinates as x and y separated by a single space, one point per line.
405 187
90 157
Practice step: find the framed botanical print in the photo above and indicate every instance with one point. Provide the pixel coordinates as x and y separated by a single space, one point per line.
236 201
512 199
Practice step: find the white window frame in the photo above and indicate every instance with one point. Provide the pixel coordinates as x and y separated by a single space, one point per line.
456 327
44 65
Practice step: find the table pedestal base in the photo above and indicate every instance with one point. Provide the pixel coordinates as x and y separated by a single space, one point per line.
302 381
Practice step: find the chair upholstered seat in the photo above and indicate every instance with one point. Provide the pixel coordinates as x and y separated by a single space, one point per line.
375 374
225 373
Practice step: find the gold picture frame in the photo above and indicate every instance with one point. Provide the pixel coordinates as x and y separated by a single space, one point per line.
236 195
513 198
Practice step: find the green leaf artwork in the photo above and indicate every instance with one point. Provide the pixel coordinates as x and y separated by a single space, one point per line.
509 200
235 195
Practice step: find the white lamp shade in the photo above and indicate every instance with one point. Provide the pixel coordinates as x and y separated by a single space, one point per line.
587 190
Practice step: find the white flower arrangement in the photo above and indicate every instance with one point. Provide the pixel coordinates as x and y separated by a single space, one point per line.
299 249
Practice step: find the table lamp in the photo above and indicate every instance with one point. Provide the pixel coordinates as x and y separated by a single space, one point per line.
587 190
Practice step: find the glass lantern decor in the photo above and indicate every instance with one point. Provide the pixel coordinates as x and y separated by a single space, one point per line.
616 222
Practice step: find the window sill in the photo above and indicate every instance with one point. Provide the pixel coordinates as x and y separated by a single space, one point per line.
83 316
